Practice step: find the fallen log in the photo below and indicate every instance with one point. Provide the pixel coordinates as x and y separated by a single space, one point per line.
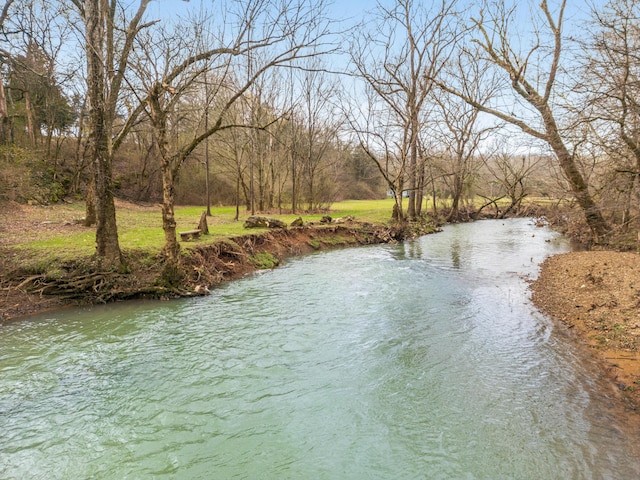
263 222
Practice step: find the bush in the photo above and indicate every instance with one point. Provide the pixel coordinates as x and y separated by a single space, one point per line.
264 260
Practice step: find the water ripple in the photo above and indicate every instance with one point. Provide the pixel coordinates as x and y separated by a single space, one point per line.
422 360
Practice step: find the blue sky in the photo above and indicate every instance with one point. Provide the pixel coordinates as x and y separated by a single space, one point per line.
341 10
347 11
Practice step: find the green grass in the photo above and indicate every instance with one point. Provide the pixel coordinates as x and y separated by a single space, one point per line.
264 261
141 229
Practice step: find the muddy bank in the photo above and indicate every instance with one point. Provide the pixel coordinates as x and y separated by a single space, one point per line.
82 282
597 295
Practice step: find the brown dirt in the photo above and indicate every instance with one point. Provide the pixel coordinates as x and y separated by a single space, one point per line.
597 294
18 222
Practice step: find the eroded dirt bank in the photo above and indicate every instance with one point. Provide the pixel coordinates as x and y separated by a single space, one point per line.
597 294
79 282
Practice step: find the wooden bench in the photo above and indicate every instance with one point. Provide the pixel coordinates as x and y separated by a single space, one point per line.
189 234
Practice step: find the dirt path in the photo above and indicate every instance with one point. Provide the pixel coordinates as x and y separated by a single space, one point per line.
597 293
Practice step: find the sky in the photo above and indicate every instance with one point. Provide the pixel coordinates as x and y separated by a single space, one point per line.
341 9
350 12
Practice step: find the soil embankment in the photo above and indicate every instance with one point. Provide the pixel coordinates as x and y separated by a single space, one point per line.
597 295
83 282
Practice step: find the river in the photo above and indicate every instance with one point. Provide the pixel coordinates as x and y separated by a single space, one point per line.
424 360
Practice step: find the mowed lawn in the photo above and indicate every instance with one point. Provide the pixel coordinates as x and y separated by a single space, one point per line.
140 228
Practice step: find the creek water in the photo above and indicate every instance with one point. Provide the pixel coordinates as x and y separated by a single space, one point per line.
420 360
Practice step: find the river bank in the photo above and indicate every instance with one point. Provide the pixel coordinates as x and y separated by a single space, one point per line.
24 291
596 294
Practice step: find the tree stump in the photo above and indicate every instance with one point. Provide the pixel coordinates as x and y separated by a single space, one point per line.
202 226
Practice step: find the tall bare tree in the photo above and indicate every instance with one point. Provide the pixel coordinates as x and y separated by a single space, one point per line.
398 59
4 56
612 89
264 30
460 132
530 86
319 127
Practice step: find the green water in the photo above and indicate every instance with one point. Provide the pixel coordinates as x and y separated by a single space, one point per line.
417 361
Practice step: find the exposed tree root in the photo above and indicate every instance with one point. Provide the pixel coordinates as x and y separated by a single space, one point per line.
201 266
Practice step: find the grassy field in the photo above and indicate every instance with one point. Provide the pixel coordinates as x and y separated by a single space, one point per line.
51 233
140 228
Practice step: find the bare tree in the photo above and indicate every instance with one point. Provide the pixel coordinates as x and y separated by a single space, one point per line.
531 75
612 90
460 132
512 172
107 58
460 140
263 26
377 139
319 128
398 59
4 56
40 76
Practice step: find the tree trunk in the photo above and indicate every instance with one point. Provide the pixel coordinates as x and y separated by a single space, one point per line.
456 195
171 272
90 206
592 213
107 245
294 184
238 177
4 114
171 245
434 200
420 189
31 130
398 214
413 169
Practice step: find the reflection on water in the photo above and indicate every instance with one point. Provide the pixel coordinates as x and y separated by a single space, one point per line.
455 254
420 360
